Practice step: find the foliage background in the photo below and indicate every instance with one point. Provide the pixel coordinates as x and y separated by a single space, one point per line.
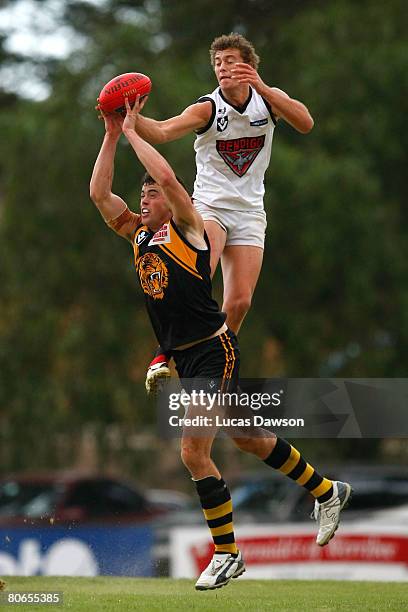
333 296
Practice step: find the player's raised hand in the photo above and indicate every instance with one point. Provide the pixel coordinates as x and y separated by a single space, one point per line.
113 121
245 73
132 112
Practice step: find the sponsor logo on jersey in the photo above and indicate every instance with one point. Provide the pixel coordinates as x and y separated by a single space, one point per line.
240 153
141 236
153 275
162 236
259 122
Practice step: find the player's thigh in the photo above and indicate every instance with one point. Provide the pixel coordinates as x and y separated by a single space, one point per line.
217 237
241 266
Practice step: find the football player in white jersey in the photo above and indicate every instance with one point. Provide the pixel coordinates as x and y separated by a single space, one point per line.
234 127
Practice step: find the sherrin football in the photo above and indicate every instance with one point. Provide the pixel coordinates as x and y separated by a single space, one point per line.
112 97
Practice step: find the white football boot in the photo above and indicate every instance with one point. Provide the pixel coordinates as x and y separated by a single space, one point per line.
327 514
220 570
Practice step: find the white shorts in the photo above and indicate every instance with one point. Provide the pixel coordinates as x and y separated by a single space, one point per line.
242 227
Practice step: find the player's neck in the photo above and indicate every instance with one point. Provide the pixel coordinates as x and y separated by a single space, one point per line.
154 227
237 96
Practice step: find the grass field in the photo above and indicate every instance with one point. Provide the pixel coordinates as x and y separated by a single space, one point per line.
123 594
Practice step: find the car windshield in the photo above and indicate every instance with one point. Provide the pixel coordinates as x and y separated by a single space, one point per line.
32 500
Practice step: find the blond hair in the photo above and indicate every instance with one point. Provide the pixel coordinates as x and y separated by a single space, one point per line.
235 41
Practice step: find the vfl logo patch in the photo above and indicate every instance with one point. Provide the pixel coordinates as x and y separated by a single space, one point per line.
153 275
240 153
162 236
140 237
222 123
259 122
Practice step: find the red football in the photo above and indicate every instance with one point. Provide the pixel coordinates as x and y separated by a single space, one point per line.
112 96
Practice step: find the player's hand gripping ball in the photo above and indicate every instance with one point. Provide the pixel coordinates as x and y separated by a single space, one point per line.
112 97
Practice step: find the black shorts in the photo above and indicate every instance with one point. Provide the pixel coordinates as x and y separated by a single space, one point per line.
213 364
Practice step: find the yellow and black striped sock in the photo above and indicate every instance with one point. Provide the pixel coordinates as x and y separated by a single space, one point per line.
216 503
287 459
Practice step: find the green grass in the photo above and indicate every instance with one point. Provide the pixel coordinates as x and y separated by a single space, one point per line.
123 594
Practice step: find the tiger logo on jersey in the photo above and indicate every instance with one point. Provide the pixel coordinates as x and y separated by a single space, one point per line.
153 275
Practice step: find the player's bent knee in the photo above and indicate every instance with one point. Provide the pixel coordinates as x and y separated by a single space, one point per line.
194 457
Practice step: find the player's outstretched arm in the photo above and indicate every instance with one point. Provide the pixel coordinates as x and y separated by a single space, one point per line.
292 111
194 117
111 206
160 170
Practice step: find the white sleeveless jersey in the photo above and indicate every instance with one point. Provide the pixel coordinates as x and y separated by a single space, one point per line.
233 152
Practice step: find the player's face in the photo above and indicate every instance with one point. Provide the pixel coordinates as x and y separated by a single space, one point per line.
153 206
223 62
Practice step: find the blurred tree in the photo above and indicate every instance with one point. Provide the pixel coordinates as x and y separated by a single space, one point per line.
340 194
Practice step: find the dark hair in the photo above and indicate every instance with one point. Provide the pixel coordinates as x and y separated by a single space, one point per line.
149 180
235 41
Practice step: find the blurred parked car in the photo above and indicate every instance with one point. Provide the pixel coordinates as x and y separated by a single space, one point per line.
168 500
271 497
66 497
267 496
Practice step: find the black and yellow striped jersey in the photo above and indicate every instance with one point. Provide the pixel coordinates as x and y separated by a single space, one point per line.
175 279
